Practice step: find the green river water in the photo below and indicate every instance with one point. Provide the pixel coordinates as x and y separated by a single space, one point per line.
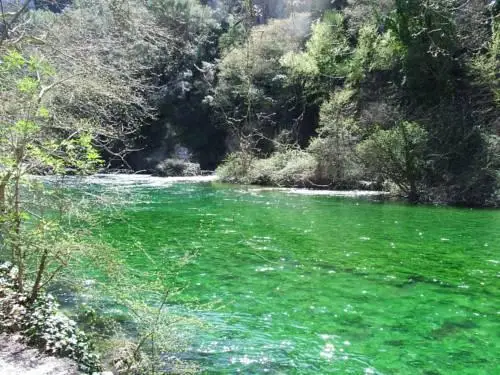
321 285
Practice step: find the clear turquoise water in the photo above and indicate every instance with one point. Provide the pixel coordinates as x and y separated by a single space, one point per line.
320 285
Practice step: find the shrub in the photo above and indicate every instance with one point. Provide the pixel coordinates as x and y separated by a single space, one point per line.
338 133
235 168
290 167
493 165
338 165
177 167
397 154
262 171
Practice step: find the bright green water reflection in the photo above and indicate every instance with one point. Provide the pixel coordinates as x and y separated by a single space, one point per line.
319 285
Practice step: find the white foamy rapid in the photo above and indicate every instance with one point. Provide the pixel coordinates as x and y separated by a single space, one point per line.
328 193
135 179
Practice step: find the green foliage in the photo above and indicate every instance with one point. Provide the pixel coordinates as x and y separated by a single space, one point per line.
12 60
494 164
385 64
57 334
487 65
241 75
300 64
325 60
235 35
28 85
29 139
177 167
374 52
338 134
289 167
330 59
329 46
397 154
337 114
34 227
235 168
142 328
427 34
250 92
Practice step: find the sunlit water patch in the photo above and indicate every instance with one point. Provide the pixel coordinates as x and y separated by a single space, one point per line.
320 284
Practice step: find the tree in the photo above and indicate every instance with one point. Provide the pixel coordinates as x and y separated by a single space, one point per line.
249 96
126 61
338 135
64 99
30 144
438 89
324 63
397 154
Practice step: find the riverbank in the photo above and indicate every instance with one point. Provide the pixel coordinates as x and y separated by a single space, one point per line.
144 180
132 179
16 358
154 181
30 327
326 193
362 189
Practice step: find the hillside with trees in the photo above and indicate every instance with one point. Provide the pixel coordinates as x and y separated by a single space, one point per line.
404 91
400 95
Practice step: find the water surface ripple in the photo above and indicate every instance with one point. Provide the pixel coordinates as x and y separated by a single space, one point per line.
320 285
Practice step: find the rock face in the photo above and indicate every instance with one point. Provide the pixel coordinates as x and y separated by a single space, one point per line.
18 359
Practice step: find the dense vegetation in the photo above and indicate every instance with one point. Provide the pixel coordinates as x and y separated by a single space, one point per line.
345 94
75 88
398 94
399 91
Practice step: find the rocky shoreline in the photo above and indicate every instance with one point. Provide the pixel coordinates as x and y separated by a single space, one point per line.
16 358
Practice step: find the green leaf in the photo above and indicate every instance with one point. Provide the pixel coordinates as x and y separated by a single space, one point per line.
26 127
27 85
43 112
14 60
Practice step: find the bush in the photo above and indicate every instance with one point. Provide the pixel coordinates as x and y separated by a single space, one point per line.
338 133
397 154
177 167
286 168
338 165
235 168
42 324
493 166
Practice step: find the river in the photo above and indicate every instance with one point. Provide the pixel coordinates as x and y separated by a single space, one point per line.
304 284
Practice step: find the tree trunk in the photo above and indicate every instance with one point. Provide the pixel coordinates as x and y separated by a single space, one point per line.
17 248
413 194
39 275
3 186
2 198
